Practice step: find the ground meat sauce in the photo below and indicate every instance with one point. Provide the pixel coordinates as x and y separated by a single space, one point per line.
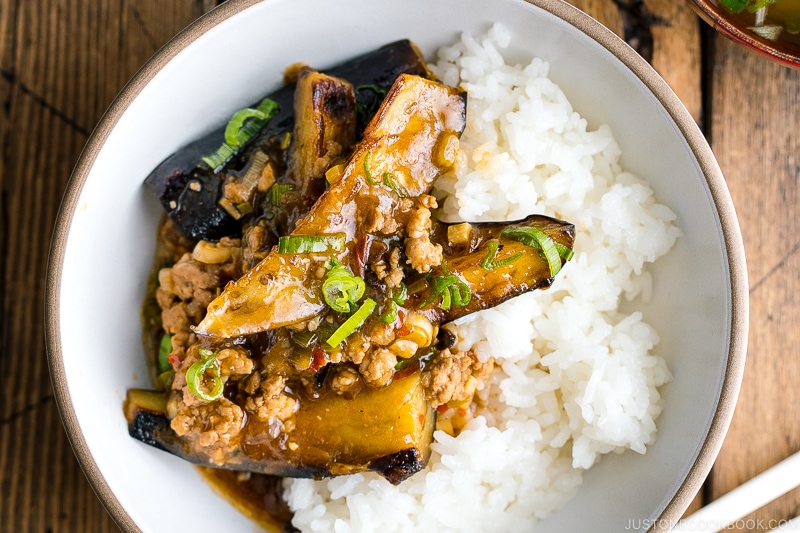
254 380
183 286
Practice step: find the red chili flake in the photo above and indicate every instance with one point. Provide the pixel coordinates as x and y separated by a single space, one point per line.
421 419
442 408
402 329
173 359
405 371
318 359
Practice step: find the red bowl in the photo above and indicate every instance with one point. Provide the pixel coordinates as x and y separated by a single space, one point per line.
783 47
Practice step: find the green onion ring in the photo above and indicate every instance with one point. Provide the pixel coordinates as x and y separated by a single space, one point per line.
238 130
390 315
446 298
367 159
216 160
565 253
236 133
540 240
391 181
277 191
489 262
341 289
453 290
234 136
339 293
461 293
194 376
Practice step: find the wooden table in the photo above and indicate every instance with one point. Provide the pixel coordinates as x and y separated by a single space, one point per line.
63 61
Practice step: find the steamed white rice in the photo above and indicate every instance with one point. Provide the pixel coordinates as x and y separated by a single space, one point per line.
577 377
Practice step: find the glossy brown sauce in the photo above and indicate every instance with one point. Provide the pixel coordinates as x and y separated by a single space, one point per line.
257 496
350 203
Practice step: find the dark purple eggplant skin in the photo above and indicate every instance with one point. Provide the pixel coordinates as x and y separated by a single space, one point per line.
153 428
195 210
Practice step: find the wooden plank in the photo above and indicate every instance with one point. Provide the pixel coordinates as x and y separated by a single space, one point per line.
7 18
675 33
35 452
79 54
604 11
677 52
61 64
754 105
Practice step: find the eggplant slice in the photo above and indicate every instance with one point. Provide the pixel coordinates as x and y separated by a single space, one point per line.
418 117
388 431
190 191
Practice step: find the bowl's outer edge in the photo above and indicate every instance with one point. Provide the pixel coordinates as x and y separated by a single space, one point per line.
674 107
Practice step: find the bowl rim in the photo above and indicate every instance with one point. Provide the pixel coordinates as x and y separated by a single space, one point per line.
732 239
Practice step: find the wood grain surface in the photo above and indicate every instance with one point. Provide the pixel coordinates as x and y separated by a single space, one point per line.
754 110
61 64
63 61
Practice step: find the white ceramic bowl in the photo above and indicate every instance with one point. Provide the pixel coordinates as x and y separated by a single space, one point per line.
104 241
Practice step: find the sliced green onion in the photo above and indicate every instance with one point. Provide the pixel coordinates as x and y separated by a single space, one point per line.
453 291
536 238
755 5
390 180
446 299
341 289
400 295
306 244
390 315
367 160
565 253
243 125
205 353
352 324
164 349
286 140
460 292
240 130
277 191
341 293
197 372
218 158
489 262
304 338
